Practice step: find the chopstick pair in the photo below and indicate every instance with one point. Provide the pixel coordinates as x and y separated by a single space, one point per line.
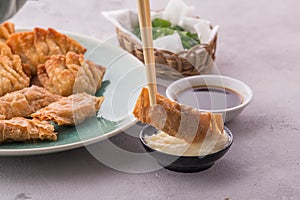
147 41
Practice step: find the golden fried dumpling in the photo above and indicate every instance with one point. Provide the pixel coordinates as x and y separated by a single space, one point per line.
176 119
6 29
21 129
6 51
22 45
70 110
68 74
35 47
23 103
12 75
89 78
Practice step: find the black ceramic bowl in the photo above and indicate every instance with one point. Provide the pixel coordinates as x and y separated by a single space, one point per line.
187 164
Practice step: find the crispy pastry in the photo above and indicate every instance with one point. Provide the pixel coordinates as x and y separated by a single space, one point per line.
24 102
5 50
68 74
35 47
89 78
6 29
22 129
176 119
12 76
70 110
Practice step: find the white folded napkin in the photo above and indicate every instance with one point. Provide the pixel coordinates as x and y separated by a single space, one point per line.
178 13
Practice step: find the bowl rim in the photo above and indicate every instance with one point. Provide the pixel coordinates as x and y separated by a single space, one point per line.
226 129
245 102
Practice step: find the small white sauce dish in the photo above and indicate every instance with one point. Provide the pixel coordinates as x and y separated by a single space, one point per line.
213 81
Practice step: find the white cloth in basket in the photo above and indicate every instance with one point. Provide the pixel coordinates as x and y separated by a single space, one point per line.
178 13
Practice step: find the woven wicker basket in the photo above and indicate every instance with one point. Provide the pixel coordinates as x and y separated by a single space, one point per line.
197 60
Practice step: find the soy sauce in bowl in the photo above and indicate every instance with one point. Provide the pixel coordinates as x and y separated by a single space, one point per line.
209 97
212 93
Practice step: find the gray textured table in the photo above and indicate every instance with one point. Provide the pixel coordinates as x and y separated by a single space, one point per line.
258 44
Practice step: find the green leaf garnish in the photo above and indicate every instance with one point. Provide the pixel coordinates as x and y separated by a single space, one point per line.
163 28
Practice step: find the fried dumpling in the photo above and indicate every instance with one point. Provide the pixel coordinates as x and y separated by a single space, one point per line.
21 129
22 45
12 75
6 30
70 110
89 78
68 74
35 47
176 119
24 102
6 51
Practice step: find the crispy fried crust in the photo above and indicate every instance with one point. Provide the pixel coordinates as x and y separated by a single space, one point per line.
68 74
35 47
6 30
24 102
5 50
22 129
12 76
56 77
89 78
176 119
70 110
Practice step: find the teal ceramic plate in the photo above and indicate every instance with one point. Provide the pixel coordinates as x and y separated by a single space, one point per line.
122 82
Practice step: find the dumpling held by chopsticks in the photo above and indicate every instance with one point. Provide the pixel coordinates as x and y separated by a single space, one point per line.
176 119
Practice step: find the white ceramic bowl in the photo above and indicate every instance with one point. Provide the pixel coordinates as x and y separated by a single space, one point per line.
214 81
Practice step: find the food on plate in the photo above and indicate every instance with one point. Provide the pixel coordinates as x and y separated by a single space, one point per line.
6 51
162 27
39 72
24 102
6 29
70 110
178 120
22 129
71 73
89 78
36 46
12 76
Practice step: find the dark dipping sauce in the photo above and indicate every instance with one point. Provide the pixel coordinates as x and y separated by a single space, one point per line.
209 98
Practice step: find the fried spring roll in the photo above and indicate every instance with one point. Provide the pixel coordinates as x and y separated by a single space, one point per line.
176 119
70 110
24 102
21 129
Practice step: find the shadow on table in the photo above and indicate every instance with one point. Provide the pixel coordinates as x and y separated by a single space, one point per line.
57 166
223 172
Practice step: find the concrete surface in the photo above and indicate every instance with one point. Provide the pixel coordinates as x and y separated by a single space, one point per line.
258 44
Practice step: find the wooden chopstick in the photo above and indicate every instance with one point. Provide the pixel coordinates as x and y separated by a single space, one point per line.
147 41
